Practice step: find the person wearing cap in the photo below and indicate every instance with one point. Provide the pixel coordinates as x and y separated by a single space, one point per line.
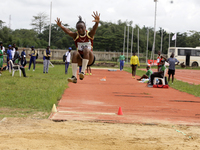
23 58
159 74
67 59
46 60
9 55
33 58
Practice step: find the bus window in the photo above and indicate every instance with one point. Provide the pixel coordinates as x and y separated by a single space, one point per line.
198 53
181 52
193 52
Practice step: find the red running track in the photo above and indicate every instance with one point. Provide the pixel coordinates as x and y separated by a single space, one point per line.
94 100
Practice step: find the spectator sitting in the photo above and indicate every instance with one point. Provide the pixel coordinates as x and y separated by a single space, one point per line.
182 65
159 74
17 62
147 75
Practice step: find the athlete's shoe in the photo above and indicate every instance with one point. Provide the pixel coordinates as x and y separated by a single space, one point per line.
87 74
133 77
72 79
81 76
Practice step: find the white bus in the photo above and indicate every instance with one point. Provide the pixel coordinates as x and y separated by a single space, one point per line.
190 56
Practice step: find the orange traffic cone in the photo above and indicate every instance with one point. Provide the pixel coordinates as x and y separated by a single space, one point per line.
120 111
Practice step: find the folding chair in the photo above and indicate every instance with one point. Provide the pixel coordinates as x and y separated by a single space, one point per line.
162 79
14 68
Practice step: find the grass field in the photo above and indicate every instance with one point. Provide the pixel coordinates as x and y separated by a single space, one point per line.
37 93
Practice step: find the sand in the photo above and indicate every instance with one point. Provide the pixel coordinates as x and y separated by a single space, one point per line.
44 134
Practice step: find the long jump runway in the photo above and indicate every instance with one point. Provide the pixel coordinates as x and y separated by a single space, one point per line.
94 100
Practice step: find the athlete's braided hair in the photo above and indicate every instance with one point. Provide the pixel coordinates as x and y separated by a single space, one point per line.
80 20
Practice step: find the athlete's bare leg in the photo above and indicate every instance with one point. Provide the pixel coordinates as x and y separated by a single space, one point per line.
77 60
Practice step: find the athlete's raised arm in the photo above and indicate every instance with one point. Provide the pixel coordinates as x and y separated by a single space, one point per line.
96 20
66 30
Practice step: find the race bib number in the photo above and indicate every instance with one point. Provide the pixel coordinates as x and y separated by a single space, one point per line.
82 46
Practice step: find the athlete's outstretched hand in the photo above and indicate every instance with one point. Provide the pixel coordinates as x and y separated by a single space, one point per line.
96 17
58 22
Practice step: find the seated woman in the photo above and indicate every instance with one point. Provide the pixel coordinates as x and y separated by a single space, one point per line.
147 75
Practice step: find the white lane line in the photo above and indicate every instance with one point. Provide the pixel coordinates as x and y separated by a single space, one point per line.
96 113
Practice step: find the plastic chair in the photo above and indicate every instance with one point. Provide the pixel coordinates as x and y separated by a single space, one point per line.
162 79
14 68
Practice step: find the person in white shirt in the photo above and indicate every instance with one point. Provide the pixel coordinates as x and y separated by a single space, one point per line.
13 51
67 60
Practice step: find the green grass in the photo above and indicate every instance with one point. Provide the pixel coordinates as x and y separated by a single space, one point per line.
179 85
37 93
186 87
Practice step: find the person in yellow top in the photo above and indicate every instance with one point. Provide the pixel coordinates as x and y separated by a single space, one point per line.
134 62
46 59
33 58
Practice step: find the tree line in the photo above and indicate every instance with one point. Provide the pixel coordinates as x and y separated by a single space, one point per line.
109 36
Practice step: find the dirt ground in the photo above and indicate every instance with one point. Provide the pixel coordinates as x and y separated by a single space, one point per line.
44 134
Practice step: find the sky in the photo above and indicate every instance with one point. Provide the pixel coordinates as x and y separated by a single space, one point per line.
179 16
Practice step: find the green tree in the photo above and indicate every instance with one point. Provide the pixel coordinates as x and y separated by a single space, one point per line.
39 22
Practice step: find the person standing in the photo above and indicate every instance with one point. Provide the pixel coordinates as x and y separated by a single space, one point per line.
172 63
13 52
2 48
67 59
9 55
89 71
159 59
121 61
134 62
23 58
46 59
16 54
33 58
1 60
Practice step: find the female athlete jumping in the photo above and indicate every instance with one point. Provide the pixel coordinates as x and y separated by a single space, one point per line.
84 43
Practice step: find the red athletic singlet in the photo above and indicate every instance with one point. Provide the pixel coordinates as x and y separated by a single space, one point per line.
82 42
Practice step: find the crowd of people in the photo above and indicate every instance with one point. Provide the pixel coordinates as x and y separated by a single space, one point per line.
150 75
83 57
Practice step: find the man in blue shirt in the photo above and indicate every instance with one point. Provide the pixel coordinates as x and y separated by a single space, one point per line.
9 55
33 58
23 58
